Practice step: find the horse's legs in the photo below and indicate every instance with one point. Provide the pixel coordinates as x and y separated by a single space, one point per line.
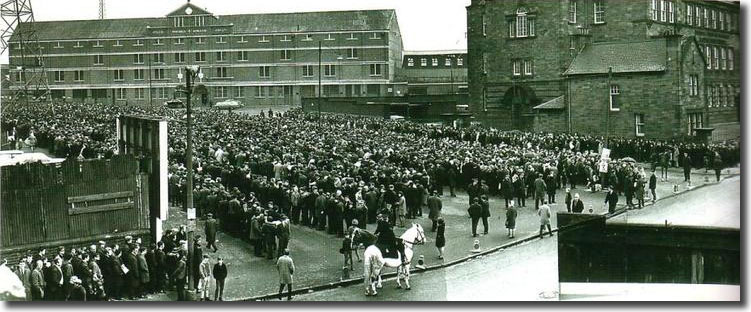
398 277
406 276
380 282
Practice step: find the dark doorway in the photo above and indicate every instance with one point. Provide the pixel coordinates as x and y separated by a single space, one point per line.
519 101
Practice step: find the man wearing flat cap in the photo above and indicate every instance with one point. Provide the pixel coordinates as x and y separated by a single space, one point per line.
210 228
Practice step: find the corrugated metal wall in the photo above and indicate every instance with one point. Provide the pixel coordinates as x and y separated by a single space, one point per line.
34 202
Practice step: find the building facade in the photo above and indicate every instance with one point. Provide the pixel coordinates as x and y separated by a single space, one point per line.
264 59
642 68
434 72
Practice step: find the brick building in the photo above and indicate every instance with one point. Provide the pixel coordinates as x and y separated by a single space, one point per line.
256 58
434 72
651 68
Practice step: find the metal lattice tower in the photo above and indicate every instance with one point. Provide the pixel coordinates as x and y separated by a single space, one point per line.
27 69
101 9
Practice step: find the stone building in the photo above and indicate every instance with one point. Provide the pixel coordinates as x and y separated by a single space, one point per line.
256 58
642 68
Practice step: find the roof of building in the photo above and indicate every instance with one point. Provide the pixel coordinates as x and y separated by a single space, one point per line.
435 52
361 20
556 103
628 57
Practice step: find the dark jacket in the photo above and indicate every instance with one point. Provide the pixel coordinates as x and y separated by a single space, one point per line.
577 206
220 271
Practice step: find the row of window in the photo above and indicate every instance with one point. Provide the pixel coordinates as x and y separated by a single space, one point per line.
204 40
221 92
700 16
663 11
720 95
522 67
719 58
598 12
424 62
221 56
221 72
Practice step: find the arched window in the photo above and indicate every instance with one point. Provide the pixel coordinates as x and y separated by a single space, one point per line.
522 27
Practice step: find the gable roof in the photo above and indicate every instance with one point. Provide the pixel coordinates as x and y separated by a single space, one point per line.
362 20
556 103
645 56
194 10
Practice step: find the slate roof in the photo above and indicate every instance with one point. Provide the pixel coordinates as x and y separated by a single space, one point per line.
629 57
361 20
556 103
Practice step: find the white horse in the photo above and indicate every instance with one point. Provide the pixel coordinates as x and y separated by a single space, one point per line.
11 288
374 261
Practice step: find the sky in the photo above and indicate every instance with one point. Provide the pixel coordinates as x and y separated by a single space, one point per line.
425 24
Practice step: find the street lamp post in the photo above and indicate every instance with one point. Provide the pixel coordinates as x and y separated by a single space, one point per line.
191 72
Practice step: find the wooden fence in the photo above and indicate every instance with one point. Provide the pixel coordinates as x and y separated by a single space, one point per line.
71 202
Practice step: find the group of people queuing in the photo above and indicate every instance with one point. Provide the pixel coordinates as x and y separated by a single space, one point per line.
116 271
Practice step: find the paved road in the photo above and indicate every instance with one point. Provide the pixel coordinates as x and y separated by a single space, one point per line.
529 271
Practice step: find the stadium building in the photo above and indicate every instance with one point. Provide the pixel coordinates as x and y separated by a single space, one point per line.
265 59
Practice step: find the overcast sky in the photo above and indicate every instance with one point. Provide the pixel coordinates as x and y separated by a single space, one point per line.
425 24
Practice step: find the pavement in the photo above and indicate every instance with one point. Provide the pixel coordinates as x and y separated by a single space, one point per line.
319 263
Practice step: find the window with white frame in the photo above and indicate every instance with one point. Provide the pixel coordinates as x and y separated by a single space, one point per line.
615 92
693 85
286 38
655 9
221 39
599 8
220 92
352 53
375 70
221 72
329 37
119 75
200 40
179 41
58 45
484 27
120 93
697 16
264 38
99 59
78 44
516 64
307 71
98 44
713 19
375 35
159 58
522 29
728 23
118 43
423 62
180 57
572 11
721 96
410 62
285 55
329 70
731 62
352 36
221 56
723 58
716 54
706 18
59 76
639 124
307 37
708 50
242 40
140 93
710 96
689 14
159 74
694 121
264 72
200 56
722 20
242 56
730 95
239 92
715 98
671 12
460 62
663 11
78 75
139 42
158 42
448 61
138 74
435 61
528 67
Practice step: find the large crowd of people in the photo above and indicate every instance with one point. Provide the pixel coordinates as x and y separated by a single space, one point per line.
257 174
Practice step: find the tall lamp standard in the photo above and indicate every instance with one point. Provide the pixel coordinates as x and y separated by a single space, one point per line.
191 72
